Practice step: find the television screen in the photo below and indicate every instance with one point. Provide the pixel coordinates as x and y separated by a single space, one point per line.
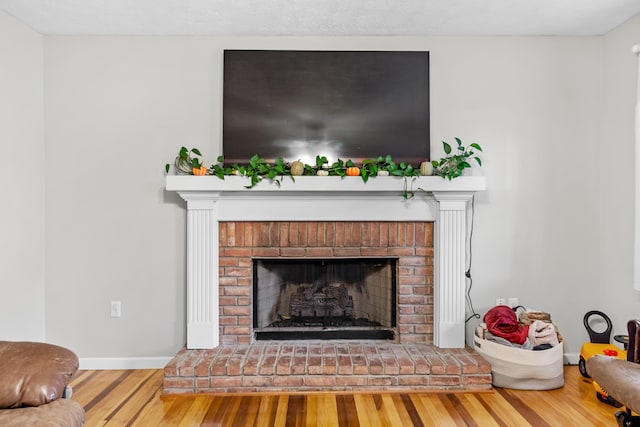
339 104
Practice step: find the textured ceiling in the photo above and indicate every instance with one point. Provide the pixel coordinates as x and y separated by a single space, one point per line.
323 17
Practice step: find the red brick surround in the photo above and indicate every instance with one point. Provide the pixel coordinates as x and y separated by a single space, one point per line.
411 242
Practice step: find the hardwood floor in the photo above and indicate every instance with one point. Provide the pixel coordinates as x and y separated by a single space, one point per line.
133 398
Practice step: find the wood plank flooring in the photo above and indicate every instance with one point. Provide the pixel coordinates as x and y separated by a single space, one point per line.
134 398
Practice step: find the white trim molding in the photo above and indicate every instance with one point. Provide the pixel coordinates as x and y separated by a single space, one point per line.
636 253
106 363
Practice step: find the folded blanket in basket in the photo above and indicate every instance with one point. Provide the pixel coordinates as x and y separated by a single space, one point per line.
527 317
526 345
502 322
543 333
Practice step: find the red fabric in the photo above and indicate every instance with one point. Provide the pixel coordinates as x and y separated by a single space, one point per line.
502 322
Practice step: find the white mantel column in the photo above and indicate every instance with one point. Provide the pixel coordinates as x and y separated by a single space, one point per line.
203 328
450 265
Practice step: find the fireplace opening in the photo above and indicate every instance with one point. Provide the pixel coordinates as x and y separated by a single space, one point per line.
336 298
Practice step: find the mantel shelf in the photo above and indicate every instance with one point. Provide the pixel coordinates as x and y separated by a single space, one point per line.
387 184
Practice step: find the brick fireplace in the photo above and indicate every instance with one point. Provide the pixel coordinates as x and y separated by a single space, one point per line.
229 226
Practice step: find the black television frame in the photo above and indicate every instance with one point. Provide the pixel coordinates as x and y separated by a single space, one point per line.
296 104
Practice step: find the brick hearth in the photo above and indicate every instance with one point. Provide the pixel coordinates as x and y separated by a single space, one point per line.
302 366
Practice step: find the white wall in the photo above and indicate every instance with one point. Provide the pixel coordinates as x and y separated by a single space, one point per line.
118 108
533 104
615 195
22 175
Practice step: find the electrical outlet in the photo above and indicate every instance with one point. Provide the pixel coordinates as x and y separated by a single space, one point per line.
513 302
116 309
501 301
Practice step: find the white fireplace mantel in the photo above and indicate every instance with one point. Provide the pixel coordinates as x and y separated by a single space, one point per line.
309 198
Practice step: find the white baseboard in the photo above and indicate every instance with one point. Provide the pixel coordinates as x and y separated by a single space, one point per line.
100 363
571 358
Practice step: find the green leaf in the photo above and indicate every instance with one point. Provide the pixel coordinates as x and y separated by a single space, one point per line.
458 141
166 168
196 151
476 146
220 159
478 160
321 160
446 147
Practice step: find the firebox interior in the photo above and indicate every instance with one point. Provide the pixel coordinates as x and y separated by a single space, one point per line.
338 298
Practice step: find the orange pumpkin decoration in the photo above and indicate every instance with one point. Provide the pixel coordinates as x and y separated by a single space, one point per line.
353 171
202 170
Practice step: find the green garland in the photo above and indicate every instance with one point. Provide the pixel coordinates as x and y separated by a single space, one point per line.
259 168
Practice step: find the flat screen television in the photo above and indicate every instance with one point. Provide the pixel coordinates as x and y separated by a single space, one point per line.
338 104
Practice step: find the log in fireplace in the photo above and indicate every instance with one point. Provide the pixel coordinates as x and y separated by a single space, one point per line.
336 298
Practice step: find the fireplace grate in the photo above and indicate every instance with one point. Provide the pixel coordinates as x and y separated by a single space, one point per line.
336 322
325 334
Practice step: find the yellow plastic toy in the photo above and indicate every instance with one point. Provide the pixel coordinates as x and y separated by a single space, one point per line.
600 343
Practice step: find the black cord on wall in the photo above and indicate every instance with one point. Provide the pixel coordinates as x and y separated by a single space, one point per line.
467 273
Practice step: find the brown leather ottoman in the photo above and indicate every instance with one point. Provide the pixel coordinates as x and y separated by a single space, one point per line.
33 378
